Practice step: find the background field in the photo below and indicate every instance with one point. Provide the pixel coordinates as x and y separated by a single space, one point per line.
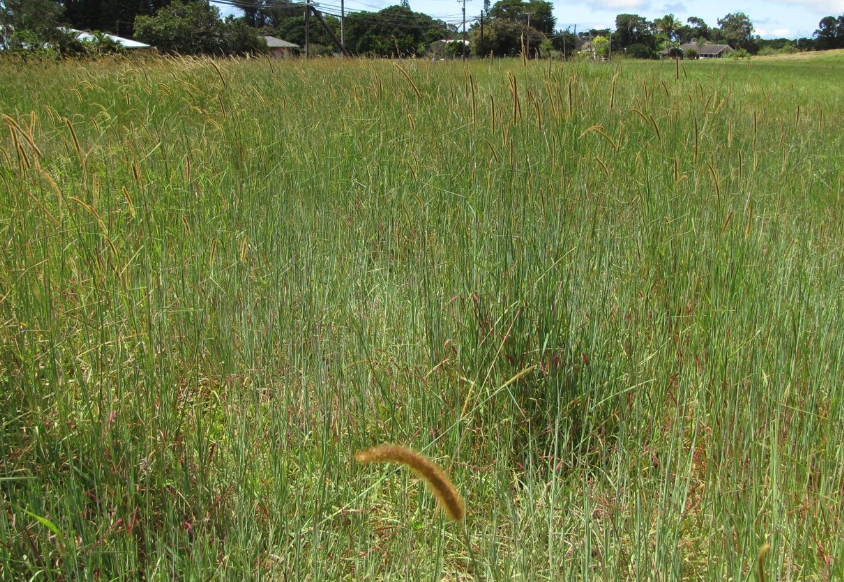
606 299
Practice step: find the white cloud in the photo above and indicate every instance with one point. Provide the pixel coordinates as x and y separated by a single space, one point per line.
761 31
782 32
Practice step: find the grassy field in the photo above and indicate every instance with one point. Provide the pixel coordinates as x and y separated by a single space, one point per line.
833 57
607 300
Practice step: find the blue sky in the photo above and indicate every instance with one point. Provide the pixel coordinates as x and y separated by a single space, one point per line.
772 18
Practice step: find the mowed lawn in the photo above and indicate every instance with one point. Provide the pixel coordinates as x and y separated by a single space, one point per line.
606 298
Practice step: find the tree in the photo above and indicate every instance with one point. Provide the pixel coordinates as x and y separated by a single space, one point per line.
29 23
289 24
639 51
564 42
259 13
737 30
115 16
504 37
601 44
668 25
239 38
395 31
830 33
632 29
194 27
538 14
698 27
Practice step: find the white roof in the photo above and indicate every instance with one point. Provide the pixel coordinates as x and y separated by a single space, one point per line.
126 43
273 42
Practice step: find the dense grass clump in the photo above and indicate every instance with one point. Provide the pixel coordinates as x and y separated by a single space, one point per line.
605 298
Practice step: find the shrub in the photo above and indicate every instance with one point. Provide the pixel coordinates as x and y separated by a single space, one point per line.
639 51
691 54
601 45
739 54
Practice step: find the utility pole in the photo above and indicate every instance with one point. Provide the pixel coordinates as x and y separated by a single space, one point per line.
307 29
527 34
481 48
343 25
463 40
318 15
564 43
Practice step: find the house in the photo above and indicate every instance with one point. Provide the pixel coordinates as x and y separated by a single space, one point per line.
704 50
280 49
447 48
125 43
82 36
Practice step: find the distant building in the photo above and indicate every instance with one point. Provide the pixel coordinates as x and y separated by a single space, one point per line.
280 49
447 48
704 50
83 36
125 43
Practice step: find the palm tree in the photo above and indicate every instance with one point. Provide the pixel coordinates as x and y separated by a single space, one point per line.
668 24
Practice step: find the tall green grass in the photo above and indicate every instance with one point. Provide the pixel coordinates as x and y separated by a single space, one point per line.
606 300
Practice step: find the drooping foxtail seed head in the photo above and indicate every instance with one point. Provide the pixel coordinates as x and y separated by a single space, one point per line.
424 468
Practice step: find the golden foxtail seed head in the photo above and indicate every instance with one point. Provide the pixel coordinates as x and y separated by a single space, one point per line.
424 468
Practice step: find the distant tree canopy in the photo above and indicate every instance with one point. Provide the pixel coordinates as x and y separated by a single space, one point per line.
633 29
564 42
830 33
503 37
285 19
34 25
538 13
396 31
269 13
195 27
291 27
115 16
737 30
694 29
668 25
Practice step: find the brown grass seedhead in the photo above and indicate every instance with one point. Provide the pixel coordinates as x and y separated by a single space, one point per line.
424 468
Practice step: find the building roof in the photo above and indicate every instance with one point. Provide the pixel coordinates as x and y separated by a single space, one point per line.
126 43
702 48
81 35
273 42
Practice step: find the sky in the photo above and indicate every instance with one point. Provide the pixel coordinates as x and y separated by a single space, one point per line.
771 18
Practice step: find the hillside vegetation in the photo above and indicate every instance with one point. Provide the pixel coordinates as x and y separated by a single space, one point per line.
831 56
606 300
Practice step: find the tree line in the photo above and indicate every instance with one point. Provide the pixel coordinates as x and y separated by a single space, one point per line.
507 27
